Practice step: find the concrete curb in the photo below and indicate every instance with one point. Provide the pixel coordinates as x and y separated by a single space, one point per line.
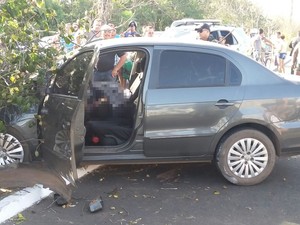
21 200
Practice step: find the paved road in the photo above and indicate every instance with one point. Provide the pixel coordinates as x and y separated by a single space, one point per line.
176 194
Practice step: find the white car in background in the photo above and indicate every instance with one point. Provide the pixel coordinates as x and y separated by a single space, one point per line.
236 37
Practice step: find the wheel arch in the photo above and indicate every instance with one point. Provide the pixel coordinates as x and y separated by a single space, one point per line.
267 131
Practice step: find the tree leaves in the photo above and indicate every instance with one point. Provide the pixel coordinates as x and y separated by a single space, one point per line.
23 24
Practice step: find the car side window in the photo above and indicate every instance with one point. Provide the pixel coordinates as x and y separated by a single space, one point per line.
235 75
69 79
191 69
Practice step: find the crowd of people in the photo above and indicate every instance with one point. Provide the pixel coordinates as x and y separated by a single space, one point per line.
275 48
77 36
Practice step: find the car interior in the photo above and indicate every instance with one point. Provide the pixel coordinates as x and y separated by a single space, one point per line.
111 110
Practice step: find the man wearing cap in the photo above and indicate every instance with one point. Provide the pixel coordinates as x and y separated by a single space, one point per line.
131 31
204 33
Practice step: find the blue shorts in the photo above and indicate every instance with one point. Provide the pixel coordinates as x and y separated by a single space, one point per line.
282 55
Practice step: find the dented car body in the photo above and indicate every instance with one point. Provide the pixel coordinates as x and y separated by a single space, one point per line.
184 102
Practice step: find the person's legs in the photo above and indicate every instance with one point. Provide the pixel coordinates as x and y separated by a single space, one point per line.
262 57
283 56
281 63
122 80
298 70
276 61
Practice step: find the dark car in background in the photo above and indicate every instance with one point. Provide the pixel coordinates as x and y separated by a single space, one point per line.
184 102
19 140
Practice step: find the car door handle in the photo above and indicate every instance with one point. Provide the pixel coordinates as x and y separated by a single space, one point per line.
224 102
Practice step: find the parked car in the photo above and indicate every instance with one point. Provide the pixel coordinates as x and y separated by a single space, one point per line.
187 102
235 37
19 140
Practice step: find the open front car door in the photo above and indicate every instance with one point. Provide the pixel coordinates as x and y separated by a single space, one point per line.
62 131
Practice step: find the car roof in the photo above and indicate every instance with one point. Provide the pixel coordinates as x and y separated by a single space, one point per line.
215 24
144 42
192 27
152 41
197 22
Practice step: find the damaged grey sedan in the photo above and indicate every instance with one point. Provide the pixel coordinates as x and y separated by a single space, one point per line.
182 102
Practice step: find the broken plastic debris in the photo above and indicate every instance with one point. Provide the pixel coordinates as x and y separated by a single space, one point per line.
96 205
4 190
114 193
68 206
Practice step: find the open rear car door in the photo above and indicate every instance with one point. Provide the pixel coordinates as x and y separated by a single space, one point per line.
62 131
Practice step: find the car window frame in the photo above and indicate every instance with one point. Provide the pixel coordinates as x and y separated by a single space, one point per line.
203 79
60 73
154 81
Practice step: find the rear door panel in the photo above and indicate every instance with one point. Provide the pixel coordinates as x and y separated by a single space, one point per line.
190 101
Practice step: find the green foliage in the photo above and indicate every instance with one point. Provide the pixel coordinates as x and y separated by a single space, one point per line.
2 126
23 60
68 11
24 22
158 13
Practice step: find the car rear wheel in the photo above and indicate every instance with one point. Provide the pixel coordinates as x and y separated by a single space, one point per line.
246 157
13 148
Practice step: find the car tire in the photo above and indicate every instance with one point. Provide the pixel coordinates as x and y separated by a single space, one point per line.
13 140
246 157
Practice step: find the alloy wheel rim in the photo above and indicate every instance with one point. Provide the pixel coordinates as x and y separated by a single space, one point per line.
11 150
247 158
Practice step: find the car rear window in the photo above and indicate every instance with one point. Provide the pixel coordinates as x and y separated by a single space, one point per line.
191 69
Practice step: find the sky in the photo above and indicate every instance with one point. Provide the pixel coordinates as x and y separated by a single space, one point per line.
274 8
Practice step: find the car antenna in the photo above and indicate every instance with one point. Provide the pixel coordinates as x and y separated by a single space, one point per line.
226 36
